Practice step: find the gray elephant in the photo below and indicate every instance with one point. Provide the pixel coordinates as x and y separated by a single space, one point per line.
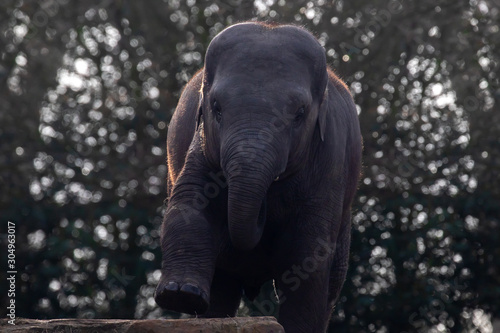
264 155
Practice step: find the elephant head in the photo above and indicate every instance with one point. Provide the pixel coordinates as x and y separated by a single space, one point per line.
262 103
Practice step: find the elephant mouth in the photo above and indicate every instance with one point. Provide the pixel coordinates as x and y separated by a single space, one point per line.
261 220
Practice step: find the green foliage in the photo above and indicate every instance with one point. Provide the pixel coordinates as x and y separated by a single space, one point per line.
87 91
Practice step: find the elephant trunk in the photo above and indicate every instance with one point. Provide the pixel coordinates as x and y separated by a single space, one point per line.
249 178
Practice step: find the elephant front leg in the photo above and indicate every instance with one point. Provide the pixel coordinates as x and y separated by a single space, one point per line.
338 271
303 298
189 253
226 292
302 288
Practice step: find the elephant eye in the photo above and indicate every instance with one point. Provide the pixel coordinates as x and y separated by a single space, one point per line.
300 114
217 111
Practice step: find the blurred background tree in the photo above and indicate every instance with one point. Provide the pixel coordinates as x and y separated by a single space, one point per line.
87 90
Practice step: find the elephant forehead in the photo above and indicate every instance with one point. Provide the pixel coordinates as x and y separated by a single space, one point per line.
252 46
252 35
255 54
262 65
265 64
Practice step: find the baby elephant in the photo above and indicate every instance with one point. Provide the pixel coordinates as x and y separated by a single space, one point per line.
264 154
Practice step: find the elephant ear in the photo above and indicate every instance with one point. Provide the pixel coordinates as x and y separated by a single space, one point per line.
200 108
323 111
198 117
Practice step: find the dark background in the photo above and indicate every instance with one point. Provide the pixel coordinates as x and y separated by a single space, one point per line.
87 89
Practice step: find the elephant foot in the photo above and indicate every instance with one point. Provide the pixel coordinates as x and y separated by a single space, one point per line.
185 298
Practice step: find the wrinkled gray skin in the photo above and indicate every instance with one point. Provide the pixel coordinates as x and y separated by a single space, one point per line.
264 154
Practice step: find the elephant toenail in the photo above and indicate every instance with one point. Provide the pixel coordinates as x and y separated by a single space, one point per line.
172 286
191 289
